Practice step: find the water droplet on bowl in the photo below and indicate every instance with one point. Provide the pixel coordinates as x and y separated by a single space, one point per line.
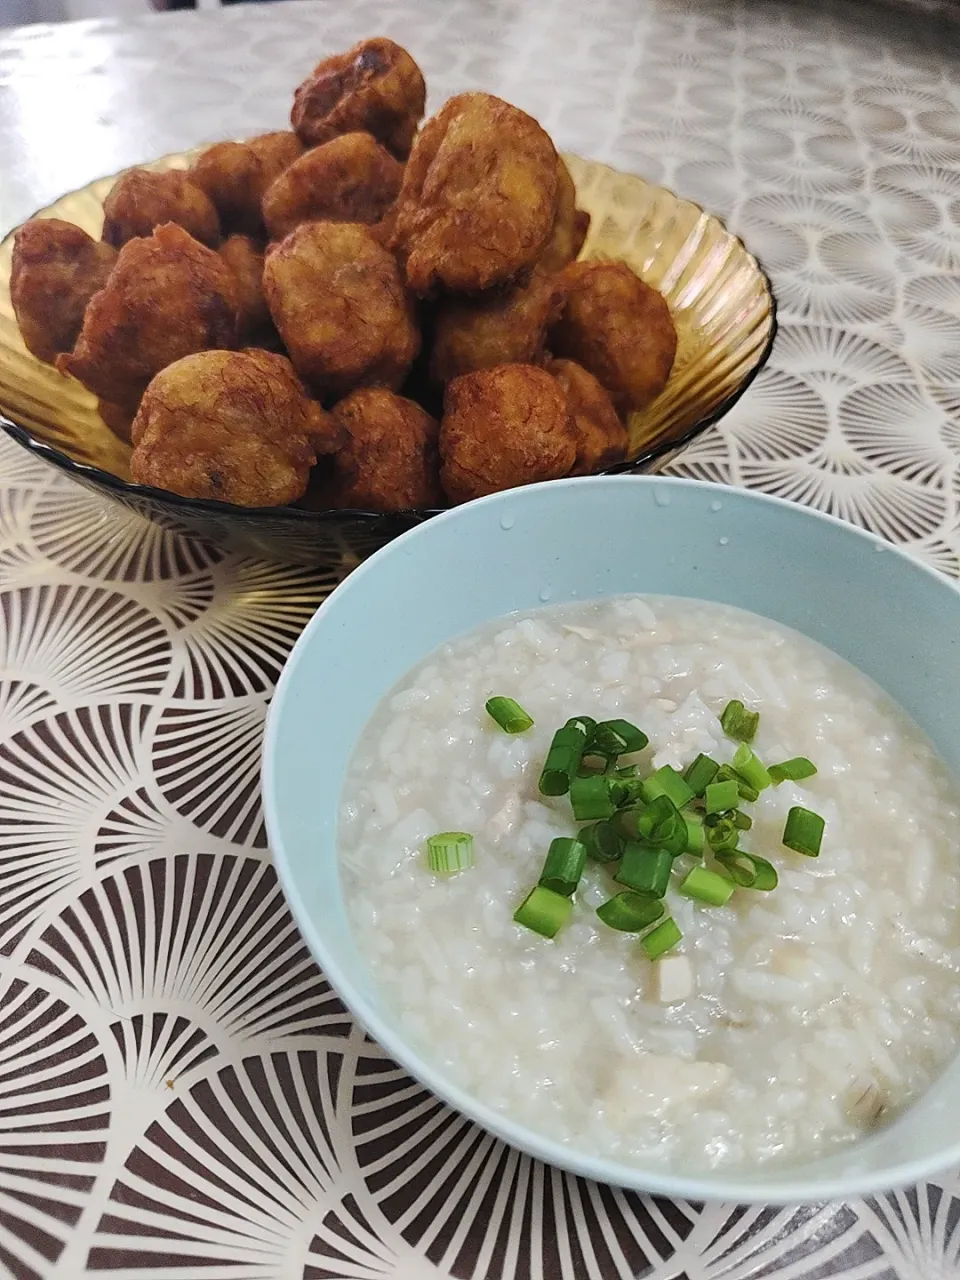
545 593
880 546
716 505
661 497
724 541
506 522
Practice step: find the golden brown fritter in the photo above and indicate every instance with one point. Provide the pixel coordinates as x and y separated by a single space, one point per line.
118 417
167 297
237 426
602 438
56 270
505 326
339 302
504 427
619 329
139 201
349 179
236 175
244 257
389 460
376 87
478 197
570 225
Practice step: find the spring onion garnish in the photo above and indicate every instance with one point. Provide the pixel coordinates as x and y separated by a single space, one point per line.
747 765
509 715
595 796
721 831
739 723
803 831
699 773
726 774
658 825
793 770
563 865
449 852
694 835
627 771
602 842
592 763
630 912
660 940
543 911
667 782
617 738
563 758
742 821
721 796
748 870
647 871
706 886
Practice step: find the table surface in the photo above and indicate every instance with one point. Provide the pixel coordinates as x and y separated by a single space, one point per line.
181 1095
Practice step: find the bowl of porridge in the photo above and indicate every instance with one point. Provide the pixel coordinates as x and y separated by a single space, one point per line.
625 815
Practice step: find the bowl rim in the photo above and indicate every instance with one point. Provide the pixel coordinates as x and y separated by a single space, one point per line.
91 474
740 1187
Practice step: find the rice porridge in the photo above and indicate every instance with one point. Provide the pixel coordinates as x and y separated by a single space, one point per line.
783 1023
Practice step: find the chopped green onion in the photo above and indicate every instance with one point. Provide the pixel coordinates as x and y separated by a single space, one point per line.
449 852
647 871
563 865
742 821
793 770
594 797
659 825
667 782
602 842
739 723
630 912
803 831
699 773
749 767
721 796
748 870
661 939
726 774
543 911
586 723
591 763
694 835
632 788
617 738
563 758
721 830
627 771
706 886
509 715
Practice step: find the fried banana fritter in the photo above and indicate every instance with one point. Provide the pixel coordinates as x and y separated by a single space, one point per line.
619 329
498 327
237 426
339 303
602 438
389 459
570 225
118 417
56 270
236 175
349 179
139 201
167 297
478 198
244 257
376 87
504 427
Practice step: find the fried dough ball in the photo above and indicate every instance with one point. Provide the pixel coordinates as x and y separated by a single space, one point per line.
619 329
139 201
570 225
56 270
602 438
118 417
389 460
504 427
349 179
237 426
339 303
498 327
236 175
376 87
244 257
478 197
167 297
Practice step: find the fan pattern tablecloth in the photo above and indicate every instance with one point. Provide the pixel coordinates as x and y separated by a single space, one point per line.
181 1094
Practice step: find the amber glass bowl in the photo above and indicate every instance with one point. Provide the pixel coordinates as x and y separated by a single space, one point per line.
719 297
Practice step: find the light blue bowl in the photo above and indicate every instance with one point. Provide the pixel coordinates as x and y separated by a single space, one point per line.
577 540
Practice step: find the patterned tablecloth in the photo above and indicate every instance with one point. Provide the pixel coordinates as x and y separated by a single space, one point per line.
181 1094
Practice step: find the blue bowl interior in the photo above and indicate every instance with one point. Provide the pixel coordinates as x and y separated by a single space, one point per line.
577 540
